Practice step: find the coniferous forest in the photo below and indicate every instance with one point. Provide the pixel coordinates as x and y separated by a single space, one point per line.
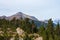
8 30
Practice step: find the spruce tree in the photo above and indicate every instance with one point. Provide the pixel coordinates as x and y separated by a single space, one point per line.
50 29
58 31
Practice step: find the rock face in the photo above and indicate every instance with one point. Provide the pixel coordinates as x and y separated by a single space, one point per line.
19 31
12 38
39 38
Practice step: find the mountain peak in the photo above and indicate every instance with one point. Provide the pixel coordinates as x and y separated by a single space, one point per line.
19 13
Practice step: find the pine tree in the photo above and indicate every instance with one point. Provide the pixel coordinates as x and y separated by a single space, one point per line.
50 29
58 31
33 27
41 30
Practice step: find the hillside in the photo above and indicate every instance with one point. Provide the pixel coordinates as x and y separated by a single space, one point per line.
20 15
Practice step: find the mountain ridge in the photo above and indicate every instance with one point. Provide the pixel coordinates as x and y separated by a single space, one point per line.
18 15
22 15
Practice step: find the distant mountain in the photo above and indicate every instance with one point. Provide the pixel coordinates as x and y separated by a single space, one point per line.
20 15
56 21
2 17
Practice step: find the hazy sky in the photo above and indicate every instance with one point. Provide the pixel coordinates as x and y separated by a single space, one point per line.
41 9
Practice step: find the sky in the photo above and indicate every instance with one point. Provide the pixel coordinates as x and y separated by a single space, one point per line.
41 9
